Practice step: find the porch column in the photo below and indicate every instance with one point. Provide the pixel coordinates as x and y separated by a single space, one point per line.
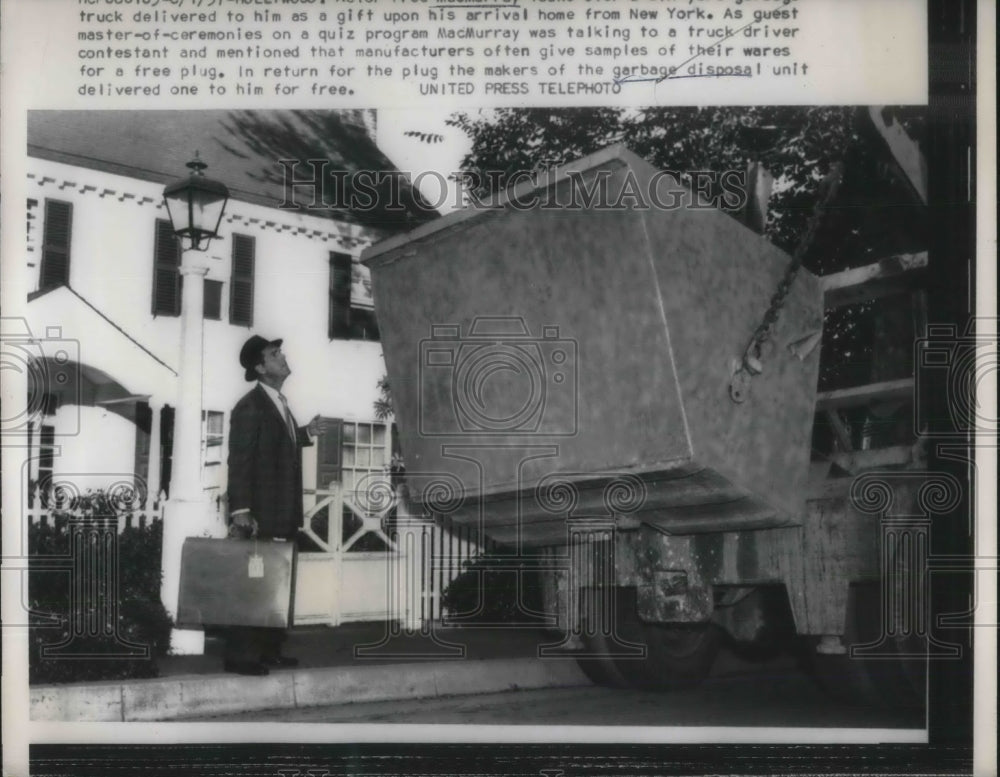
186 513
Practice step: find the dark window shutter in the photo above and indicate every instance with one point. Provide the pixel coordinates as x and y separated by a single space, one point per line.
339 327
212 306
328 453
241 286
166 271
56 234
166 448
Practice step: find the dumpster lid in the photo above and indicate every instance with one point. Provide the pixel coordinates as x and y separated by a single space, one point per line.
611 157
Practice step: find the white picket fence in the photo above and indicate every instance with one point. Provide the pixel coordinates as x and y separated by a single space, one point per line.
44 509
444 553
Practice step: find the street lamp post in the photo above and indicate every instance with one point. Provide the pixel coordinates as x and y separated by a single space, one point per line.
195 205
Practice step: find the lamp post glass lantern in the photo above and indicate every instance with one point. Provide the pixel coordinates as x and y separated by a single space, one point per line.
196 205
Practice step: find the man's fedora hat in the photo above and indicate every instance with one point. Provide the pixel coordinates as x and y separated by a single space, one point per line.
251 352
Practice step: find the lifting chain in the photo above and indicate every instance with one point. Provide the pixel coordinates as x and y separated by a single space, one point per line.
739 384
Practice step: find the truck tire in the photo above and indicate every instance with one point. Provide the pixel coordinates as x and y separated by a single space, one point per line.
599 665
601 670
677 655
888 682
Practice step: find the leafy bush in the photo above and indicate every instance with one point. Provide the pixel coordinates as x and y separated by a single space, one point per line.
487 591
118 626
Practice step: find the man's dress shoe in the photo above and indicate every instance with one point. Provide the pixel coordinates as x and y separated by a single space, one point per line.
255 668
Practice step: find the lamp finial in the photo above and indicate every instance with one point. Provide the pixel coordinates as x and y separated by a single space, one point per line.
196 166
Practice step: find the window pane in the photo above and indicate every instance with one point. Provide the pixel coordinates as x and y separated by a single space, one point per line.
364 433
350 432
361 459
214 422
361 286
378 457
380 436
348 456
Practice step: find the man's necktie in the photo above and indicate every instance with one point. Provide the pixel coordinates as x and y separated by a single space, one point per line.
288 418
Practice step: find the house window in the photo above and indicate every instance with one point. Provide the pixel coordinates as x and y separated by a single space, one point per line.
211 435
241 287
212 305
46 461
166 271
32 232
351 307
56 233
365 477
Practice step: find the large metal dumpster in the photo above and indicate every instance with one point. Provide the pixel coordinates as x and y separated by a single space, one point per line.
551 358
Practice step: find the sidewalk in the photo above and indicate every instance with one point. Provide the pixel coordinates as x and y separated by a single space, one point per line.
350 663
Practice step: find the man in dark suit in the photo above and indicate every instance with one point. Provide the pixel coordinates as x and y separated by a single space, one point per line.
265 485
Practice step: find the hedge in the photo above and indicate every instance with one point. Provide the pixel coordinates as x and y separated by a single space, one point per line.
486 591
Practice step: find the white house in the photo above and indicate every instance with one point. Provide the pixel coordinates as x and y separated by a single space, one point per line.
107 297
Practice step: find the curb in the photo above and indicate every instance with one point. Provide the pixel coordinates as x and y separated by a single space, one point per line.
192 696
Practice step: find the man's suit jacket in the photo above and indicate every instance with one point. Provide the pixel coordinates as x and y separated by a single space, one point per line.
265 466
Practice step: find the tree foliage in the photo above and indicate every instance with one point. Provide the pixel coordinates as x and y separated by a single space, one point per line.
489 590
383 404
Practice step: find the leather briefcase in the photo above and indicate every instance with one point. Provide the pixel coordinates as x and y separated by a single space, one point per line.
231 582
